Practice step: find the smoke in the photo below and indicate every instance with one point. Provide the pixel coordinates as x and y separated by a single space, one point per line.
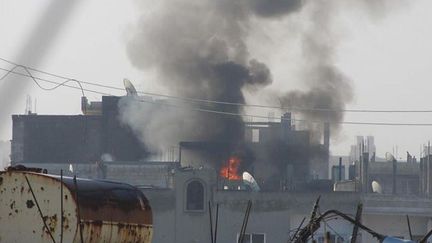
328 89
274 8
198 48
5 149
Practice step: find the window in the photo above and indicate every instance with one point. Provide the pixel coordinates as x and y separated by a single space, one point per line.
255 135
195 196
253 238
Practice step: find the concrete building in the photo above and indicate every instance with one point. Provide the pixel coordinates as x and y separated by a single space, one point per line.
361 174
180 211
290 170
278 155
363 144
68 139
182 198
151 174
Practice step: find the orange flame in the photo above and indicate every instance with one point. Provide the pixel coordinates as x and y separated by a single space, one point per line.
230 171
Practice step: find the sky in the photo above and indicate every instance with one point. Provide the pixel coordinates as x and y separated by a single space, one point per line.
388 58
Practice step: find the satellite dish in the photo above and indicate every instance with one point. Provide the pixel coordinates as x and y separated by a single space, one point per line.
250 181
389 157
130 89
376 187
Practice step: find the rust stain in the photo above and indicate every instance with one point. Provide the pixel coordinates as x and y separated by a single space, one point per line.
65 223
30 204
51 222
12 205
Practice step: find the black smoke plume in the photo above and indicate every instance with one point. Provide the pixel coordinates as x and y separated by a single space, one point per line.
199 49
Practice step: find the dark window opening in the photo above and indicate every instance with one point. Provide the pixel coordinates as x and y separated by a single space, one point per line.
195 196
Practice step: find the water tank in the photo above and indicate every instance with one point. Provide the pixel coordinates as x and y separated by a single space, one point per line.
108 211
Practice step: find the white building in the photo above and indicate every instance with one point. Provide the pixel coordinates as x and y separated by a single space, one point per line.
363 144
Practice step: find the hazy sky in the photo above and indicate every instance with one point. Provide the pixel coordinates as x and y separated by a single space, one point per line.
388 59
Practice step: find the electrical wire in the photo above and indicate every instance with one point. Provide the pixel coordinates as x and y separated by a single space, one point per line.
57 84
287 119
36 79
224 102
37 83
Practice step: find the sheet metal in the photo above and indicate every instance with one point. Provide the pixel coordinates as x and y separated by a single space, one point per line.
110 211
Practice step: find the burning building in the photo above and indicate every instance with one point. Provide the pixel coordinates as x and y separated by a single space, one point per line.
279 156
275 153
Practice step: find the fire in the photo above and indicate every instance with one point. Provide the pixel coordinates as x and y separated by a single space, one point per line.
230 170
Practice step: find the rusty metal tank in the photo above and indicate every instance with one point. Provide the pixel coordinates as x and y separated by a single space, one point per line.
30 210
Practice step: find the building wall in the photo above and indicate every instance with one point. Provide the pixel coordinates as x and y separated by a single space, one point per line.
334 161
396 225
55 139
143 174
74 138
276 214
117 138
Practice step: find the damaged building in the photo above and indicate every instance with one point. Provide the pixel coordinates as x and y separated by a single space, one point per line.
280 157
275 166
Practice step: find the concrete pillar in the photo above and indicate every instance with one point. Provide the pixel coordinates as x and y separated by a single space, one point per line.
429 174
365 173
394 176
421 178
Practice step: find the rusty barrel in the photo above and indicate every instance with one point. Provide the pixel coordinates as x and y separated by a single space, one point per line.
108 211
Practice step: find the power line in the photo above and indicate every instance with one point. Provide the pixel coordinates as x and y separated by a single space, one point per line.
286 119
299 109
37 83
36 79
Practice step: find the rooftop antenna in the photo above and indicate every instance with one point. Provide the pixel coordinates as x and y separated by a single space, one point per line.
129 87
28 108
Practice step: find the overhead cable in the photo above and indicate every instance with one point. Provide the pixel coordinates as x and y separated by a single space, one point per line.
64 84
188 99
